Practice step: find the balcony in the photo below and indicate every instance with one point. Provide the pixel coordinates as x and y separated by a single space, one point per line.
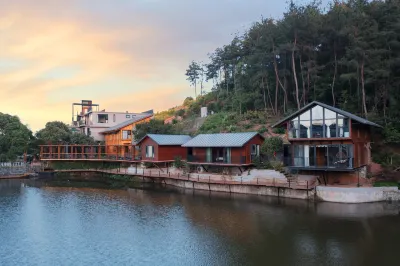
324 163
217 160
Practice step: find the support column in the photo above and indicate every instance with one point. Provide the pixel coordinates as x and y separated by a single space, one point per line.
307 150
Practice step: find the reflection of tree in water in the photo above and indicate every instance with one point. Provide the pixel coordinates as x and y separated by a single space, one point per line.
269 229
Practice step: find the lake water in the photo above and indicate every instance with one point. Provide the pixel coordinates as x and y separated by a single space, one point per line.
45 225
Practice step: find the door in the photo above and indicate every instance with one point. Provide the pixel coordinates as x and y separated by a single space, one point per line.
321 156
190 155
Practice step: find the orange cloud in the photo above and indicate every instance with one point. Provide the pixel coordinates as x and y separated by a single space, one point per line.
42 45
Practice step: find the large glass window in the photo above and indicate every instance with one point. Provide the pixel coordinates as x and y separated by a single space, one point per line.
319 122
305 124
298 155
343 127
330 123
294 128
317 128
323 156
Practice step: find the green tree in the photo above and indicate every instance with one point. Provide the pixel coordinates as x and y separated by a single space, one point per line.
154 126
15 138
56 132
193 75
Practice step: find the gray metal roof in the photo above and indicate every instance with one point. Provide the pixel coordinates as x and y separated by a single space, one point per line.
165 140
221 140
126 123
333 109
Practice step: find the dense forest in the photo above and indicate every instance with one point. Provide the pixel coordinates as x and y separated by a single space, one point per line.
346 55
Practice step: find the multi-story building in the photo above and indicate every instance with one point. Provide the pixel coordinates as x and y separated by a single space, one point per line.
91 122
328 142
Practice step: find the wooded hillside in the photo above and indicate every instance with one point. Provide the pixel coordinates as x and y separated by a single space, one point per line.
347 56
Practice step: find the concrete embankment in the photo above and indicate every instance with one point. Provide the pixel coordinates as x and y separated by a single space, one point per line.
357 195
320 193
243 189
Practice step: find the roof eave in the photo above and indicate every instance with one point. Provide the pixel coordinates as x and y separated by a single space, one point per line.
333 109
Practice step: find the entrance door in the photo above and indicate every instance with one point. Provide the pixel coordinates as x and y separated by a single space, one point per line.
190 155
321 156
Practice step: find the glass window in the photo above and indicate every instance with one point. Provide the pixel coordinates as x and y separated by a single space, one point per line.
298 155
149 151
255 149
114 118
317 127
294 128
128 116
330 124
343 127
102 118
305 123
126 134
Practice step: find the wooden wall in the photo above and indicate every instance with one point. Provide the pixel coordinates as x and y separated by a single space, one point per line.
162 153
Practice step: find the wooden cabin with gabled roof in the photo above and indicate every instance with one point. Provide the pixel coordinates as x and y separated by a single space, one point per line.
328 142
158 148
118 139
224 149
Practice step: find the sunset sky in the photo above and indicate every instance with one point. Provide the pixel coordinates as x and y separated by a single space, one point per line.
126 55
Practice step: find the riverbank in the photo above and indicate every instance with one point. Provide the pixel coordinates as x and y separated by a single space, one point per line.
260 188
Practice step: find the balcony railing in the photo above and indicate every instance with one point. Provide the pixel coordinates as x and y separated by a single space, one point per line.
323 162
217 160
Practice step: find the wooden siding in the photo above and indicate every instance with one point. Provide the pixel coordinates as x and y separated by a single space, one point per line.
162 153
237 153
360 138
167 153
113 139
148 142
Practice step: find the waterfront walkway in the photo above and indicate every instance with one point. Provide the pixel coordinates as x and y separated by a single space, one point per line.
202 178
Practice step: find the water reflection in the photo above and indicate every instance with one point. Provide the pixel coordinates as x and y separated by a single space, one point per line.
46 225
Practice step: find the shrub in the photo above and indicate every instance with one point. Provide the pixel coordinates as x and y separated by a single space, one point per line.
178 163
271 145
262 130
261 162
279 130
180 112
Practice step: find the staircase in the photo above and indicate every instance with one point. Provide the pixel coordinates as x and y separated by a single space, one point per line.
291 175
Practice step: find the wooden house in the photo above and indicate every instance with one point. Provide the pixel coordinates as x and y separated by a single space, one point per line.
118 139
328 142
158 148
224 149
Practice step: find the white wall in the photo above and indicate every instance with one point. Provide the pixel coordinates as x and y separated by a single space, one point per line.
119 118
95 133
